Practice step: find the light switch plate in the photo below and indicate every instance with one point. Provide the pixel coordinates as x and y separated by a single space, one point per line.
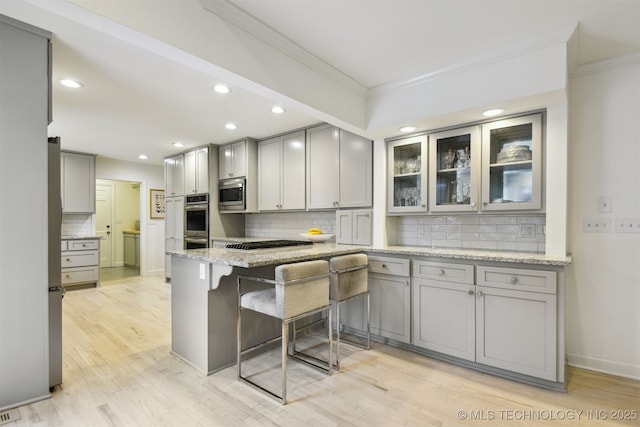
596 225
604 204
627 225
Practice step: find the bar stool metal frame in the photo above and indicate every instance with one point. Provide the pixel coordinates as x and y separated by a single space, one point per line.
334 275
284 334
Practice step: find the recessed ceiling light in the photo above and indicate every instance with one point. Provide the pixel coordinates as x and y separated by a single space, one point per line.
493 112
143 157
407 129
71 83
231 126
277 110
221 88
178 144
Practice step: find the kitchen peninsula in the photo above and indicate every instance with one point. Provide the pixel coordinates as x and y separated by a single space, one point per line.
457 305
204 298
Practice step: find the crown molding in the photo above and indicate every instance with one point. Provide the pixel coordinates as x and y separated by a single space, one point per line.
261 31
478 61
605 65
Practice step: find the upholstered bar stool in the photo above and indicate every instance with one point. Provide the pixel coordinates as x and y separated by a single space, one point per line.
299 290
349 279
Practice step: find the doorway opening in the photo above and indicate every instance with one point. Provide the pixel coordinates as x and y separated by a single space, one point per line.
118 225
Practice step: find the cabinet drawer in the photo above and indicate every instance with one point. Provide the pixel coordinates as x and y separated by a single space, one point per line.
446 272
517 278
79 259
387 265
82 245
79 275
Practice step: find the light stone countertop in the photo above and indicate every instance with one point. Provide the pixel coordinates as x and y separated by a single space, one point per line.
261 257
79 237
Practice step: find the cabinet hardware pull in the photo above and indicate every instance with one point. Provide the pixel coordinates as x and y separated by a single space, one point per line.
441 273
514 279
480 293
68 259
384 265
470 291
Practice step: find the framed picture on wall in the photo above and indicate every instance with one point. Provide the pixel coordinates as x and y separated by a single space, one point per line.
156 204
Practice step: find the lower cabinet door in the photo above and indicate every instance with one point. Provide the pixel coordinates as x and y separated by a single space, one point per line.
390 306
516 331
444 317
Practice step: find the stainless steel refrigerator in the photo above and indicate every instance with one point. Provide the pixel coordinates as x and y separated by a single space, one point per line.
56 291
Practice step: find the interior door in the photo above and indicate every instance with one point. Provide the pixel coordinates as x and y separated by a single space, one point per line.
104 222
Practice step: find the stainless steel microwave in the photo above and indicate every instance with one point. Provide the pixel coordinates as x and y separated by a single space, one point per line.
231 194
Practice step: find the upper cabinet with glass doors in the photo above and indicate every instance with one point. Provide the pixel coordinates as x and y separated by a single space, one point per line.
454 162
407 166
511 169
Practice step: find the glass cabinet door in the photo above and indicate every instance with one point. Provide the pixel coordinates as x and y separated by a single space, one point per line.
453 170
511 175
407 164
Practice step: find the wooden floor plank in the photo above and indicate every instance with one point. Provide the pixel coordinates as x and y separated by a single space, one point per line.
118 372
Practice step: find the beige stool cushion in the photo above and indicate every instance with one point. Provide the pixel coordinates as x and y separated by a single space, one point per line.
348 284
286 299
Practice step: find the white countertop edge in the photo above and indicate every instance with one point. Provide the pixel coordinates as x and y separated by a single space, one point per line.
79 237
262 257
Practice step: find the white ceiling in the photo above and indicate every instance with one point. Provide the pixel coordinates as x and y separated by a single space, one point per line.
149 66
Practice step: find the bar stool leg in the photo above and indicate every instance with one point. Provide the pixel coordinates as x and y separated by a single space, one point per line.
285 355
337 335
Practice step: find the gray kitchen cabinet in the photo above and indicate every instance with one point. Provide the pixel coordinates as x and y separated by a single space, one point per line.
353 227
390 298
196 171
454 170
174 175
516 320
80 262
443 297
512 164
407 175
174 229
233 160
78 180
281 173
507 319
339 169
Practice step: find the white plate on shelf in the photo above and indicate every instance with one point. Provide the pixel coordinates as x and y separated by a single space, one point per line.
317 237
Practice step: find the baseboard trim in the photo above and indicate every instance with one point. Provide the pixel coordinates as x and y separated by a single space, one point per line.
605 366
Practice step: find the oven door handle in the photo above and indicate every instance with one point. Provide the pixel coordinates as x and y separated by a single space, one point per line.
196 239
196 207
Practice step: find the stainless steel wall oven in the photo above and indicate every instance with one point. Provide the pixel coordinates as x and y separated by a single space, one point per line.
196 221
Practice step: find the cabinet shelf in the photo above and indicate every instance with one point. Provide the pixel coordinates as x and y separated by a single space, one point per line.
520 164
405 175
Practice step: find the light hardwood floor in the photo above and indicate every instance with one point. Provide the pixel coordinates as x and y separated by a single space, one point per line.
118 372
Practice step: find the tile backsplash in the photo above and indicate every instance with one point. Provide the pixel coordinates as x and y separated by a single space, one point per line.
288 225
77 225
519 233
513 233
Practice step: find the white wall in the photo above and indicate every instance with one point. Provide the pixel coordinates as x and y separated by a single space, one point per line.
603 295
151 230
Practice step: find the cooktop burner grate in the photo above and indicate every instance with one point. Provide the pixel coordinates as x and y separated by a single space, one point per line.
268 244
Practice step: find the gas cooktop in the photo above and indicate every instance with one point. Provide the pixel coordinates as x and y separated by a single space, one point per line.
267 244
